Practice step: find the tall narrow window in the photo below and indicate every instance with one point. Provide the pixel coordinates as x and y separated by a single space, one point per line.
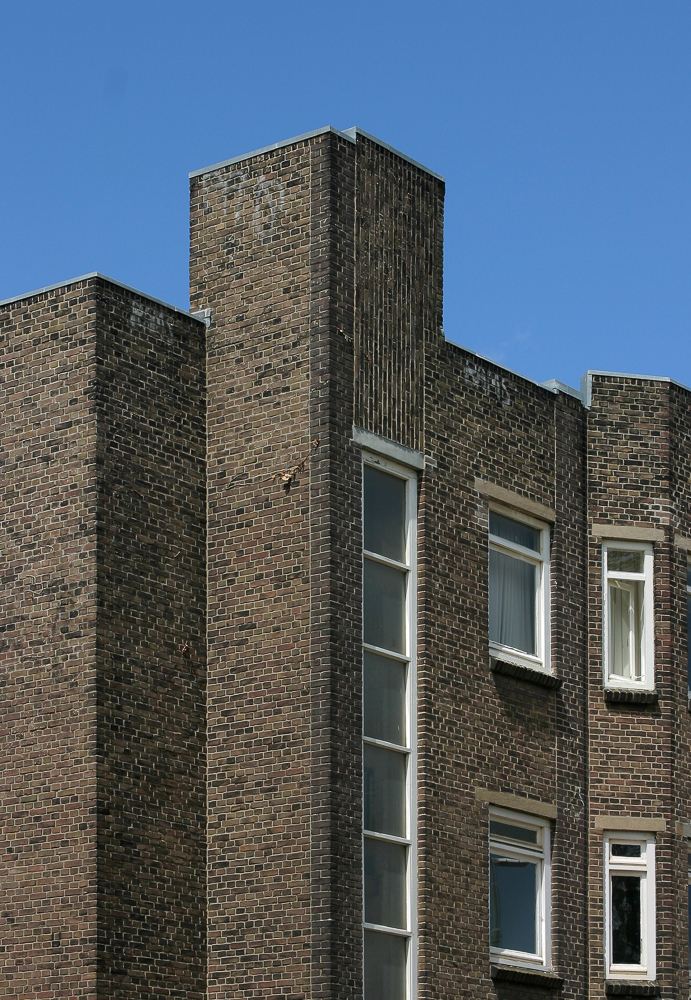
628 614
519 889
519 589
389 504
630 906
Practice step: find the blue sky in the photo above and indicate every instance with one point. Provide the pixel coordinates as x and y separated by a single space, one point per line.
562 129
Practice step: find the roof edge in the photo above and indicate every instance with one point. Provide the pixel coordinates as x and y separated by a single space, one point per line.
526 378
103 277
270 149
644 378
355 131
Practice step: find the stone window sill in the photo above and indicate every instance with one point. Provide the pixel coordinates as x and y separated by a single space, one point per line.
523 673
631 989
514 974
624 696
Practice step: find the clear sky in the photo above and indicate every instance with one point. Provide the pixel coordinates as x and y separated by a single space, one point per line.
562 128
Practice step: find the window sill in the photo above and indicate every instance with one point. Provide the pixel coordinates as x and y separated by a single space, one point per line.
516 974
626 696
523 673
628 988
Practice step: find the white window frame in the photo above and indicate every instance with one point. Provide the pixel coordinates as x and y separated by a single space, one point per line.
543 919
647 650
542 659
410 659
644 866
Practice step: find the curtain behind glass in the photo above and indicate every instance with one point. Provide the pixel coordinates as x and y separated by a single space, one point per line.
625 628
512 602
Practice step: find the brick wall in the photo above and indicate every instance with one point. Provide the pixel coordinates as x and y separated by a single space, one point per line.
632 747
181 769
250 264
479 729
398 289
151 651
680 448
48 497
103 735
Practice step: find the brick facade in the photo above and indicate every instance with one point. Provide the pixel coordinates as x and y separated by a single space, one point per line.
181 654
103 740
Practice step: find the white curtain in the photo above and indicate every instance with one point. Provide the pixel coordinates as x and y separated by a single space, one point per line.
625 614
512 601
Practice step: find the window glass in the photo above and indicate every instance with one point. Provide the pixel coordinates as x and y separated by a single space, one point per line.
624 561
384 696
513 901
499 829
630 889
519 889
384 780
388 775
384 606
384 513
626 920
385 883
385 966
625 627
514 531
626 850
628 615
512 602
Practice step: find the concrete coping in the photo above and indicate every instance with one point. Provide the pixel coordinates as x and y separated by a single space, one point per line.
389 449
493 492
519 803
350 134
630 532
636 824
103 277
682 542
683 829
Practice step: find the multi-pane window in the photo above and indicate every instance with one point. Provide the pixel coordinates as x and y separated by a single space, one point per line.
630 906
389 503
688 628
628 614
519 887
519 589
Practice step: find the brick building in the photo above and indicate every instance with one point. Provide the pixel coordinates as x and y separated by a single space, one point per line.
321 631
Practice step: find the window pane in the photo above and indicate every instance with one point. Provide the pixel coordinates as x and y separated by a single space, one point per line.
625 627
385 966
384 602
512 602
513 901
385 889
384 514
624 561
626 920
384 697
384 772
498 829
514 531
626 850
